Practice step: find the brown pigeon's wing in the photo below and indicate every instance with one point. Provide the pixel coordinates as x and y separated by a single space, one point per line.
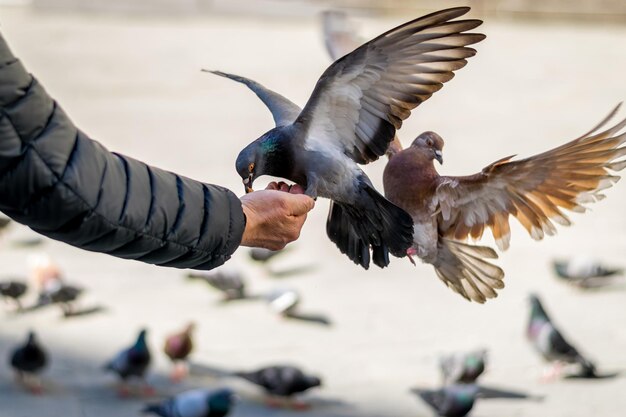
283 110
339 36
361 99
534 190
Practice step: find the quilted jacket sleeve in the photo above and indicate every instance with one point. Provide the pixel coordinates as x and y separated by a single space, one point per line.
62 184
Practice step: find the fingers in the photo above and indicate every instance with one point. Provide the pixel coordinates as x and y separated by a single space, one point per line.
299 204
283 186
296 189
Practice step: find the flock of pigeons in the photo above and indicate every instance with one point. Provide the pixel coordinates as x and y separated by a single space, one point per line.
351 118
284 383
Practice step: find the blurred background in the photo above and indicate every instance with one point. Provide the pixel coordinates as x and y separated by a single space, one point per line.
128 74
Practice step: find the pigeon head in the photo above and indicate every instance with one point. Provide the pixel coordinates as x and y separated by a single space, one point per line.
221 400
313 381
32 339
431 144
268 155
141 339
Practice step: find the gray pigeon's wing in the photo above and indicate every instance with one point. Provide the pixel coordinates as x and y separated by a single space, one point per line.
361 99
339 36
283 110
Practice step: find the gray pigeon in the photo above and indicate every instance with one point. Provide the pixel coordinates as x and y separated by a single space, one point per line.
282 381
452 400
351 117
195 403
230 283
14 290
283 301
549 342
29 360
585 273
62 294
340 37
463 367
264 255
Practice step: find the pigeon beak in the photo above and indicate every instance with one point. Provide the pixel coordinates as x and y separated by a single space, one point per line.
247 183
439 156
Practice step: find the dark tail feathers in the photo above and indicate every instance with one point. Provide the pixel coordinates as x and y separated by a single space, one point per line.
587 368
158 409
372 222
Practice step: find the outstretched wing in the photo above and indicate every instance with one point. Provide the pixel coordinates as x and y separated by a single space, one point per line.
361 99
283 110
339 36
534 190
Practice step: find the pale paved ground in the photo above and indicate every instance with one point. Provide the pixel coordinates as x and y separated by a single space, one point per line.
135 85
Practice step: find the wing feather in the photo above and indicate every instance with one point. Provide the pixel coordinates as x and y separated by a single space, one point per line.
535 190
362 98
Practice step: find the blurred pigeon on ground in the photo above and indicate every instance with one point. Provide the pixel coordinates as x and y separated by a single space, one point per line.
447 210
264 255
282 383
585 272
351 117
341 38
195 403
463 367
28 361
230 283
13 290
452 400
177 347
285 302
132 362
64 295
552 346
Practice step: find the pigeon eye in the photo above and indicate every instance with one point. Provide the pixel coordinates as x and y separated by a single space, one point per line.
429 142
251 168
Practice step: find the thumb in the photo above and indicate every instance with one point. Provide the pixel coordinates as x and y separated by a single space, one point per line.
299 204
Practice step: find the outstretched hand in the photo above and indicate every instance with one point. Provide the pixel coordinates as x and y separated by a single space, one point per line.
274 216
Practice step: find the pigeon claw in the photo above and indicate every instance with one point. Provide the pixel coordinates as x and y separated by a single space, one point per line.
410 252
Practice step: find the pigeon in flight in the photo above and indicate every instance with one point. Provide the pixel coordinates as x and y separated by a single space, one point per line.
177 347
195 403
463 367
132 362
29 360
552 346
282 382
340 38
451 400
351 117
448 210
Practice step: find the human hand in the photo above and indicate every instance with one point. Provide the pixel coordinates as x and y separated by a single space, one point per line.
274 216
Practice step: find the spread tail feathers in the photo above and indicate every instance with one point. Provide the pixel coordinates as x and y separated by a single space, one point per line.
463 268
374 223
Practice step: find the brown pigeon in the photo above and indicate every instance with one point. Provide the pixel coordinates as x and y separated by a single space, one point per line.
177 347
448 210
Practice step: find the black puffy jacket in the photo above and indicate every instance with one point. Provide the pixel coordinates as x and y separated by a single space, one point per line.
62 184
